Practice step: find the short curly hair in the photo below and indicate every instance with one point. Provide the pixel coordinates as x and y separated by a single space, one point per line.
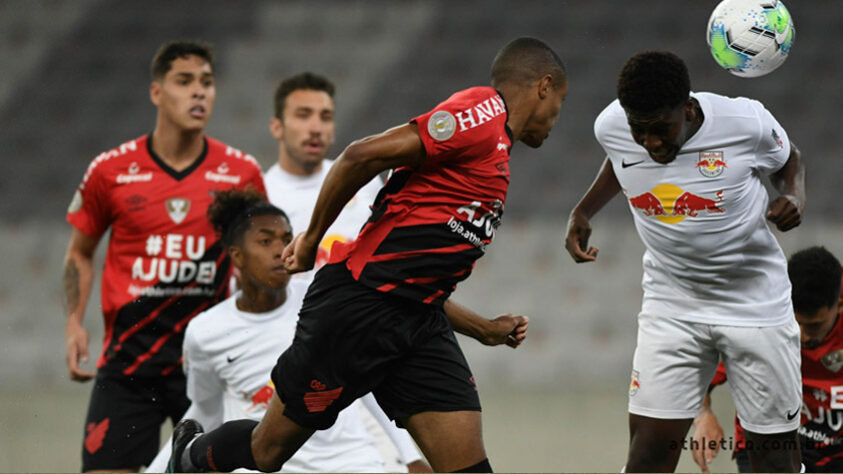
652 81
231 211
815 279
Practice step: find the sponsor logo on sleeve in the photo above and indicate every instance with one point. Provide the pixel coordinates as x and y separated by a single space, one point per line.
75 203
441 125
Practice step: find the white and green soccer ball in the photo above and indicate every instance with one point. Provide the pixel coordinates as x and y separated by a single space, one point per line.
750 38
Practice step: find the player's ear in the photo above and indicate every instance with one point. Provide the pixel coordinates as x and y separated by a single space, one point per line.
545 86
155 92
276 128
236 254
690 110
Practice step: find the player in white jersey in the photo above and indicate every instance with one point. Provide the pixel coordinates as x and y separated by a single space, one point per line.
303 125
230 349
715 279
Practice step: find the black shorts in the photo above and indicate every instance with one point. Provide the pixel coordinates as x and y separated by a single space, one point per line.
122 429
352 340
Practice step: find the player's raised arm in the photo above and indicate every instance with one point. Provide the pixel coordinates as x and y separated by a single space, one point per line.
602 190
786 210
358 164
78 279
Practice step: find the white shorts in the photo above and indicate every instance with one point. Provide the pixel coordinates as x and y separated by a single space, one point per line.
675 361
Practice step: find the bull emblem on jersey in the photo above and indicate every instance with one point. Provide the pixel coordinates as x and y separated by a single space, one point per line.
178 208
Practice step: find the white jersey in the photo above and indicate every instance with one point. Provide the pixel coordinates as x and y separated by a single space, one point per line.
710 256
296 196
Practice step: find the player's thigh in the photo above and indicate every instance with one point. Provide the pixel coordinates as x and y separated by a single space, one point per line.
348 338
673 364
450 440
433 376
764 373
122 426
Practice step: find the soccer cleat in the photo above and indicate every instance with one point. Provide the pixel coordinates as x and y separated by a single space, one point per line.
183 434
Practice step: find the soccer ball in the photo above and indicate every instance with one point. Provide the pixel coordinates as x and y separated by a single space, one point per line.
750 38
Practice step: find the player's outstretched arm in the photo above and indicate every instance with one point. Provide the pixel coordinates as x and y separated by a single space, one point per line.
506 329
707 433
78 279
358 164
786 210
602 190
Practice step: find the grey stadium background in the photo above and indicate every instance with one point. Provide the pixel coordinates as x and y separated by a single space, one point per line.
75 81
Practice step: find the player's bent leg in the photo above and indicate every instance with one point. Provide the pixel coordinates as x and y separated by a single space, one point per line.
777 452
451 441
277 438
655 444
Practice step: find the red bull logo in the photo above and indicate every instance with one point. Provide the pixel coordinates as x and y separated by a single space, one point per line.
323 252
711 163
671 204
261 398
634 385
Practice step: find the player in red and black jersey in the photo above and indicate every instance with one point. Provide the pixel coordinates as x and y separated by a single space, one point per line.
815 276
374 319
163 266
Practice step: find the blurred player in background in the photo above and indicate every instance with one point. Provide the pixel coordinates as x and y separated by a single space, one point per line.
815 276
230 349
164 264
303 125
374 319
690 165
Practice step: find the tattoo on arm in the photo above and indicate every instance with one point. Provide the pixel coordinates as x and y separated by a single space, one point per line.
71 286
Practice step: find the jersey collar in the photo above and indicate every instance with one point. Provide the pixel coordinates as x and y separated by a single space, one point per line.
177 175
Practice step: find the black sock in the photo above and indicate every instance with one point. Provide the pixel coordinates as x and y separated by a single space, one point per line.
226 448
482 466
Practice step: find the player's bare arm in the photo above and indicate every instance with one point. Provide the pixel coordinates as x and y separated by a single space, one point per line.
706 430
602 190
786 210
358 164
506 329
78 279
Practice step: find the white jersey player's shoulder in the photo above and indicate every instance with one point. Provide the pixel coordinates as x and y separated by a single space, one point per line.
206 324
724 106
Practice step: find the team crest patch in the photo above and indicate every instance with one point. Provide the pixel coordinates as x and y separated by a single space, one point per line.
441 125
833 361
711 163
75 203
178 208
634 385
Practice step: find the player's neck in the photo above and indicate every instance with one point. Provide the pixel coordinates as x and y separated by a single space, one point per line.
514 97
254 299
291 166
177 148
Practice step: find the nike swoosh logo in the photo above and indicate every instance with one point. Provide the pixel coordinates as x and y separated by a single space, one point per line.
232 359
624 164
790 417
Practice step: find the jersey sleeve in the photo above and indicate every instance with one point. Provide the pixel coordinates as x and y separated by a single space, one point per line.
255 180
774 145
89 210
203 382
446 134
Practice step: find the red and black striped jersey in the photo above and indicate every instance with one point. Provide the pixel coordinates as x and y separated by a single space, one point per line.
164 264
429 226
821 430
